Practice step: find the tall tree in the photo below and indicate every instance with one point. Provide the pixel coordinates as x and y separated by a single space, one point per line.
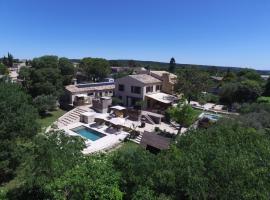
95 69
192 82
132 63
3 69
183 114
17 126
172 65
267 88
10 60
67 70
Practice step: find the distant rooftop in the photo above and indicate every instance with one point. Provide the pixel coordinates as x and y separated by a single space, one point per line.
217 78
160 73
144 78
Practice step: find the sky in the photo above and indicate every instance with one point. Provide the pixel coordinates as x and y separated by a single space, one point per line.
213 32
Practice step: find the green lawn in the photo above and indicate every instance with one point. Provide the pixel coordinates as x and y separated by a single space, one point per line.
51 117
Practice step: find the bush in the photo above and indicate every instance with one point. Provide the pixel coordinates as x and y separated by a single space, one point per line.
263 99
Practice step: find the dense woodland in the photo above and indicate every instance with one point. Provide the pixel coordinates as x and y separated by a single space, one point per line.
229 160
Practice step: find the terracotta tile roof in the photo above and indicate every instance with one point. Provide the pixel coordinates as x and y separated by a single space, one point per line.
144 78
83 88
160 73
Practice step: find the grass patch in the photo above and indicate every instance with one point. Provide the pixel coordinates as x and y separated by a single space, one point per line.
50 117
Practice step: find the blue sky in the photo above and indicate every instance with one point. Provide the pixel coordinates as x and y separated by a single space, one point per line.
214 32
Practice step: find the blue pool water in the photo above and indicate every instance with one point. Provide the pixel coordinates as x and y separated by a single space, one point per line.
88 133
212 117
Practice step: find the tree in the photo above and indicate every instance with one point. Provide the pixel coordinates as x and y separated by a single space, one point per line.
192 83
17 126
45 103
132 63
95 69
45 62
183 114
267 88
95 178
49 156
114 63
10 60
47 81
172 65
217 164
245 91
25 76
130 161
3 69
67 70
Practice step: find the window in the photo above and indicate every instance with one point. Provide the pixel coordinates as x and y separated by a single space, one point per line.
120 97
149 89
136 90
90 94
121 87
158 87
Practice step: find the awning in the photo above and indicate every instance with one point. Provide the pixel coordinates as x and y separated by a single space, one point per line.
162 97
118 108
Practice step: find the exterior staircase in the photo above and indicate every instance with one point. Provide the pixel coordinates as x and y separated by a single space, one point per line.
148 118
71 117
137 139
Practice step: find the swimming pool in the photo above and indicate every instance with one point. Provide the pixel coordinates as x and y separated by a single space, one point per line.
212 117
88 133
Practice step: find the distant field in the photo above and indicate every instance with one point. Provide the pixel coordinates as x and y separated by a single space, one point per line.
50 118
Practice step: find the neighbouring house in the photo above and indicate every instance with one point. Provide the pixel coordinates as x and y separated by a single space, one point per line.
265 77
135 70
154 142
217 84
133 88
81 94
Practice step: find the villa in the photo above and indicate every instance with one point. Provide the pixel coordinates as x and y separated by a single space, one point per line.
144 87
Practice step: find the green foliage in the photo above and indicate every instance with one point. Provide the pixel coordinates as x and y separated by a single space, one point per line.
47 81
45 103
122 74
95 69
192 82
51 155
208 97
48 157
3 69
67 70
267 88
92 179
245 91
116 101
183 114
25 76
8 61
217 164
132 161
133 63
17 124
45 62
263 99
249 74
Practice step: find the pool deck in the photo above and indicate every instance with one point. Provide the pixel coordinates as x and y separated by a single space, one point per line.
106 142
